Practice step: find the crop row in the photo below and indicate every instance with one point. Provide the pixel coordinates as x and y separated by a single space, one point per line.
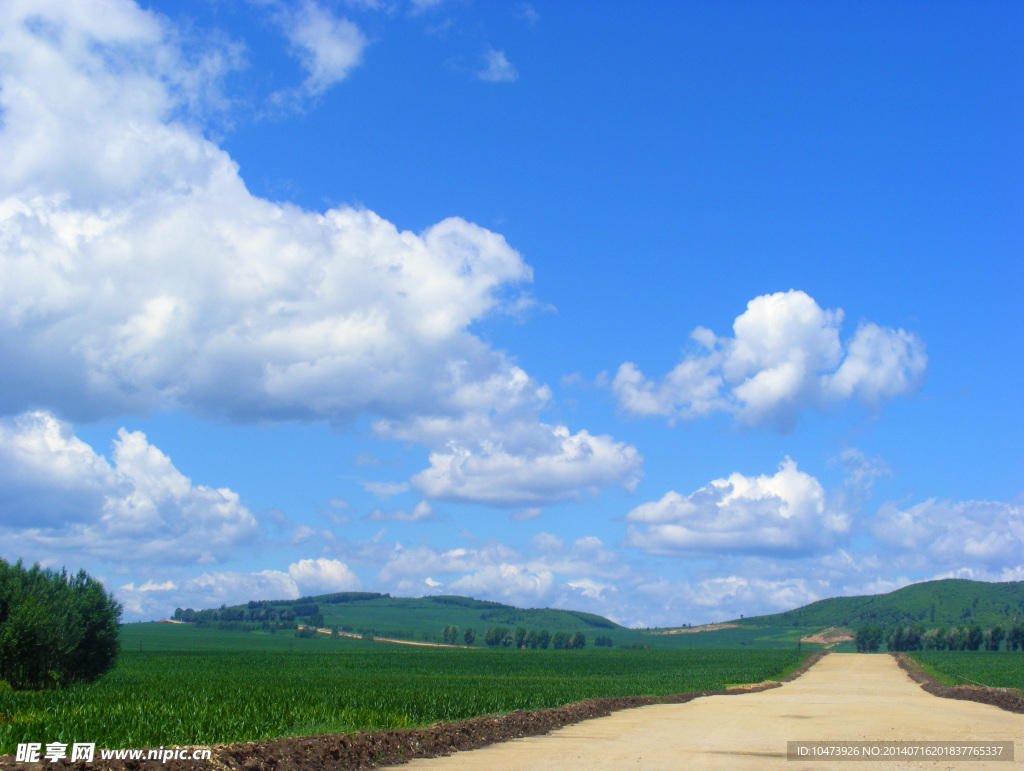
1004 669
168 698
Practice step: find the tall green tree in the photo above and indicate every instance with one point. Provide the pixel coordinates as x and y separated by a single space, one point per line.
55 628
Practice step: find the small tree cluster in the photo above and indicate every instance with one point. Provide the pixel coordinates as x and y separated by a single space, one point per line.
498 636
959 638
994 638
565 641
868 639
55 628
904 638
521 638
1015 638
603 641
450 635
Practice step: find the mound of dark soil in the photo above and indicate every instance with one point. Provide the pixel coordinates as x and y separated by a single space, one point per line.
1004 698
362 750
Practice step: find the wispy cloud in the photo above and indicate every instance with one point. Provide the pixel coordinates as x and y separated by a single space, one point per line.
497 68
422 512
328 46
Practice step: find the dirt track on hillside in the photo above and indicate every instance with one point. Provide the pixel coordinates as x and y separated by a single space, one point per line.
845 697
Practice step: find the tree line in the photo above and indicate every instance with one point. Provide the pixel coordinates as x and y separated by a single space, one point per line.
956 638
502 636
55 628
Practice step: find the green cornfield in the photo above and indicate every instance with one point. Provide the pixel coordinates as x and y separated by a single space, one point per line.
997 669
166 698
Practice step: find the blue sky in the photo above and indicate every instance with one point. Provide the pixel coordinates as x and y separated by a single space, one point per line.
670 312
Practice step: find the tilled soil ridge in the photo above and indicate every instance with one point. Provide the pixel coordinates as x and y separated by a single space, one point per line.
363 750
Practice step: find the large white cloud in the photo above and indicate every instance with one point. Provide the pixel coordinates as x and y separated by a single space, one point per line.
58 496
784 514
785 355
137 272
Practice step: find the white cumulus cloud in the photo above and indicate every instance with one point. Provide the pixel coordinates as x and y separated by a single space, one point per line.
784 514
322 576
140 273
58 495
514 583
563 465
785 355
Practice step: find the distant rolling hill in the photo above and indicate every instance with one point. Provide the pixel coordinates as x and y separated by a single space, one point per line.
947 602
933 604
413 618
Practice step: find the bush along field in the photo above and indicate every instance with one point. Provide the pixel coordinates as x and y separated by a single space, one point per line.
195 687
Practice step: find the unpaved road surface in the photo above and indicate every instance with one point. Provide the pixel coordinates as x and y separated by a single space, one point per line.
845 697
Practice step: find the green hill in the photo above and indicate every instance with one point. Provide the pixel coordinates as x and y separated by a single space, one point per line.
407 618
947 602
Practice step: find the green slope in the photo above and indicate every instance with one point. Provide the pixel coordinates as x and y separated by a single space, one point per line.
947 602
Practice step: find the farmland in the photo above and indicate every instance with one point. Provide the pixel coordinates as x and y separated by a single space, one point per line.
193 686
1003 669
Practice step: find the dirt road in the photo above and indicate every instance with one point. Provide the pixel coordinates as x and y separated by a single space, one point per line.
846 697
